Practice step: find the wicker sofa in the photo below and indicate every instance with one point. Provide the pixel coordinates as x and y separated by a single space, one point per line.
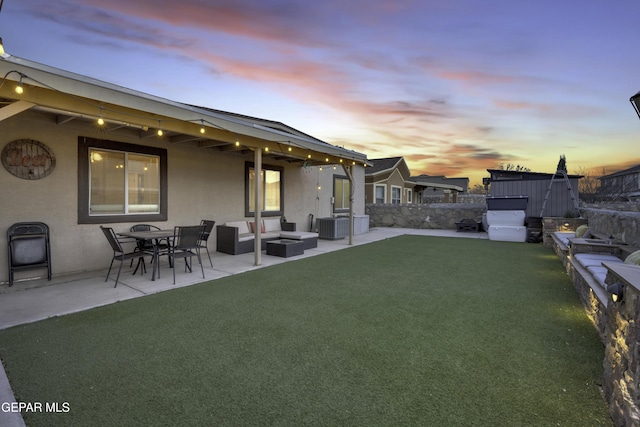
237 237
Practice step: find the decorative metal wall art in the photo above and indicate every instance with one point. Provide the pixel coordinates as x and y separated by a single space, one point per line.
28 159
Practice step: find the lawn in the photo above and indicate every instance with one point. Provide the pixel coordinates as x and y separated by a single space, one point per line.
407 331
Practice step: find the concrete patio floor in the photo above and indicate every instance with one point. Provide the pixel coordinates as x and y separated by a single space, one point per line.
33 300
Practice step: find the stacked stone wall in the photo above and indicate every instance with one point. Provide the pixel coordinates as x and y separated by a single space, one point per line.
442 216
623 226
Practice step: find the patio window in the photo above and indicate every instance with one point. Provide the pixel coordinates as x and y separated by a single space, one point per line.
381 194
120 182
272 190
396 195
409 195
341 192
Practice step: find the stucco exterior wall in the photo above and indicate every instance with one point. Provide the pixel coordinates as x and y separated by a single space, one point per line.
395 179
202 184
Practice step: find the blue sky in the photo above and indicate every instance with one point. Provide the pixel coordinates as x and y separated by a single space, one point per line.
454 86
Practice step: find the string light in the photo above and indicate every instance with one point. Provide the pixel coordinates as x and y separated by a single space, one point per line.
19 88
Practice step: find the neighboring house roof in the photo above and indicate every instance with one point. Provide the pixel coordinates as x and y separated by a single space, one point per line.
383 165
442 182
634 169
69 96
500 174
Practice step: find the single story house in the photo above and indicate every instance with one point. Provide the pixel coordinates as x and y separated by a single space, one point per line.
387 181
78 153
440 185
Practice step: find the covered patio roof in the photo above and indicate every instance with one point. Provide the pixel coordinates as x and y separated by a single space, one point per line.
63 97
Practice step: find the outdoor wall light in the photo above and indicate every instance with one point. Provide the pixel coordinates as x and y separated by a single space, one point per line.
202 127
616 291
635 101
160 133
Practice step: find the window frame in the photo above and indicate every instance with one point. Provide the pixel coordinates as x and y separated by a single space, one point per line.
341 178
84 216
396 187
247 191
409 196
375 192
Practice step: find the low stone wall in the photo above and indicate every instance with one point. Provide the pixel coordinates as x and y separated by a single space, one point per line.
621 377
462 198
622 225
552 224
592 305
441 216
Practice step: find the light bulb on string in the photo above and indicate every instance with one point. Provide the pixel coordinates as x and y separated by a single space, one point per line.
19 89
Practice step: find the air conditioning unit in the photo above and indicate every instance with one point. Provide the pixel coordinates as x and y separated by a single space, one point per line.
333 228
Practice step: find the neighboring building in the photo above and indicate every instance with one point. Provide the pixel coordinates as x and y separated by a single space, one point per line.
64 169
387 181
426 185
624 184
534 185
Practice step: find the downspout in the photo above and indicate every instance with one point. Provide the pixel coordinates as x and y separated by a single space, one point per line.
257 211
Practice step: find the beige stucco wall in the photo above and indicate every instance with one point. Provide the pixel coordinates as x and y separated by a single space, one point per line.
203 184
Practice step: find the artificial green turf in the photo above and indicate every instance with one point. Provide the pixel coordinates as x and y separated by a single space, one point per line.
407 331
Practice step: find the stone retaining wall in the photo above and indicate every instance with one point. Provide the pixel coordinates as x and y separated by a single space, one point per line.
622 225
442 216
551 224
621 377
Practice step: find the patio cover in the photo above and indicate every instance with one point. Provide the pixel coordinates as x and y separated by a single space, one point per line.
68 96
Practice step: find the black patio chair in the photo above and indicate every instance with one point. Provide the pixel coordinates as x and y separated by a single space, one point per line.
208 227
120 254
186 244
147 245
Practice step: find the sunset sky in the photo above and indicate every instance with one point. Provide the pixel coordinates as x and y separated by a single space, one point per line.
454 86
